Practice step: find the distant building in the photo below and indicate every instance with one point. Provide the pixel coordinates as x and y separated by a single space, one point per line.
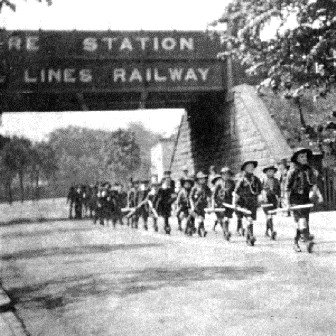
161 155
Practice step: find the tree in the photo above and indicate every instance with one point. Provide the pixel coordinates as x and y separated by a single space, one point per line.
298 60
87 156
43 162
146 140
302 50
16 156
121 153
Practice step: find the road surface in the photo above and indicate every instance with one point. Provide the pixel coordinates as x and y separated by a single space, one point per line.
75 278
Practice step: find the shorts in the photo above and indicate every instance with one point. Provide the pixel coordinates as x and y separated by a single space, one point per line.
200 212
184 211
298 199
227 213
271 207
251 204
301 213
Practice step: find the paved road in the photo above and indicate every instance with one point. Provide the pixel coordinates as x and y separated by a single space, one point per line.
74 278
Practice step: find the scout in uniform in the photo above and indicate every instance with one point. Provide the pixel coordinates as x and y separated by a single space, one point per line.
143 210
246 194
78 202
166 197
71 200
135 198
92 190
223 193
301 180
283 170
101 204
271 195
152 198
183 202
131 193
184 176
199 198
240 230
116 200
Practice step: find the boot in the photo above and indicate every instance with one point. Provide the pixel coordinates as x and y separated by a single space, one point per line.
268 227
250 239
227 234
297 247
156 228
189 228
308 239
273 233
310 245
239 227
214 227
201 229
179 222
296 241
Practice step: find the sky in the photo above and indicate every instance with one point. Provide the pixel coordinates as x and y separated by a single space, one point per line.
103 15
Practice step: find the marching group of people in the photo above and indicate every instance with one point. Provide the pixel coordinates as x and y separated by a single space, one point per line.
290 188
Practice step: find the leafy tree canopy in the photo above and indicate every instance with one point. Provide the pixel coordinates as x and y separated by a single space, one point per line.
302 50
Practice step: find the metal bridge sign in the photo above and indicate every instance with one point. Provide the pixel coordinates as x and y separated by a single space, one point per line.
54 61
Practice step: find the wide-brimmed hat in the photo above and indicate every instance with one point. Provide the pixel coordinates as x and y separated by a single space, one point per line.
255 164
215 178
106 184
284 162
186 179
184 168
200 175
300 151
226 170
272 167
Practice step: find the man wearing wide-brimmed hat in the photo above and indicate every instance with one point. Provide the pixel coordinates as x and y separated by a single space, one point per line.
143 210
199 198
301 180
223 193
152 198
246 193
183 203
284 167
166 197
131 201
271 195
211 177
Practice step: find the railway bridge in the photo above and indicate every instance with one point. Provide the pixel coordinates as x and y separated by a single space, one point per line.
124 70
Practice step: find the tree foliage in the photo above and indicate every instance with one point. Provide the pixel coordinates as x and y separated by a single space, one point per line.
302 50
11 4
146 140
87 155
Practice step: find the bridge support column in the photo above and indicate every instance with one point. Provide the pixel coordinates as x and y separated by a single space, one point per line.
220 131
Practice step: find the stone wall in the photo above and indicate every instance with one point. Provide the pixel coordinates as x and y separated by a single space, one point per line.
219 132
182 153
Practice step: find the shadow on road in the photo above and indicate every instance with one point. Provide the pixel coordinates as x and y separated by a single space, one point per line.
74 250
58 293
52 231
21 221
